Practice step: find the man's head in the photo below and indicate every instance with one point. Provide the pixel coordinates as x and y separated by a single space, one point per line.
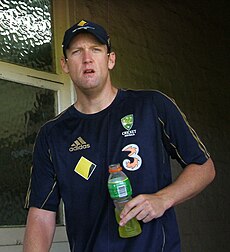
87 57
86 26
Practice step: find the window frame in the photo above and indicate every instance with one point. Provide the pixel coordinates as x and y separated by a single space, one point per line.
11 238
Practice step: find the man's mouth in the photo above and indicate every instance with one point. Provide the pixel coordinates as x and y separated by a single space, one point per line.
89 71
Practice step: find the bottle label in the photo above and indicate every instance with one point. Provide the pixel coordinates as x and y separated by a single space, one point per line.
119 188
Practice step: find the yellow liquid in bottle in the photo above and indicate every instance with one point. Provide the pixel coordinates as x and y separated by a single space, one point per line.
132 227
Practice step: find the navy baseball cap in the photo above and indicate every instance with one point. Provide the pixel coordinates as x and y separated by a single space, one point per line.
86 26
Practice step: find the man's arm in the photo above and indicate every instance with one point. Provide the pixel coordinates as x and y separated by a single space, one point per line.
40 230
146 207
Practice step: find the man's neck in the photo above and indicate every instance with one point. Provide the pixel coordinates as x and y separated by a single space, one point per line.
93 102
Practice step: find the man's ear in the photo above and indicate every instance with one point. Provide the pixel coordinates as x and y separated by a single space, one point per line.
112 60
64 65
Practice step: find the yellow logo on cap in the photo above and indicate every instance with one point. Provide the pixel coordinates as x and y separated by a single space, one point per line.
82 23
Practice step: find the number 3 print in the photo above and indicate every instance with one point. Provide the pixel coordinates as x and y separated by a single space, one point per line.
137 161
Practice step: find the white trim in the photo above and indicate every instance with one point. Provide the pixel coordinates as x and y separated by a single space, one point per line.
14 236
30 77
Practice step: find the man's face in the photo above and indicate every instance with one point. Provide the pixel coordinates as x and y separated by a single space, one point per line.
88 62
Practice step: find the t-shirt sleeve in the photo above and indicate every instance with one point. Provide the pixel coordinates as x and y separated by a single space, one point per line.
43 190
179 138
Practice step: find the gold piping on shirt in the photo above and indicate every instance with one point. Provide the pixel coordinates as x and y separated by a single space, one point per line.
55 182
27 199
171 143
28 191
193 132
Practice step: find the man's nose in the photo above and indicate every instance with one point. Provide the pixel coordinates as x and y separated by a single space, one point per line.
87 56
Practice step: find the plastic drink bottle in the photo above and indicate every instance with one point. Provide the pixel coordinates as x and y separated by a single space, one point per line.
120 191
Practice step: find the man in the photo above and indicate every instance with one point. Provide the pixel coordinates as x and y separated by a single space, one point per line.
139 129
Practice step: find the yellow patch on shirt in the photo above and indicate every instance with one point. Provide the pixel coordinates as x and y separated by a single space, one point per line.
85 168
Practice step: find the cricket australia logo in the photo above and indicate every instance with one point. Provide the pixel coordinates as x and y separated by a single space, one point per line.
127 123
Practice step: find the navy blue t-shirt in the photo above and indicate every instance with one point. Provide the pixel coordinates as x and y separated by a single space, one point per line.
141 130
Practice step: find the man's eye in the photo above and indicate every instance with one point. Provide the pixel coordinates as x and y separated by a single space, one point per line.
96 49
76 52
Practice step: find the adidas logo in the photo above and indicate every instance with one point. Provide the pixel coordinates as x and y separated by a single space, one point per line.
79 144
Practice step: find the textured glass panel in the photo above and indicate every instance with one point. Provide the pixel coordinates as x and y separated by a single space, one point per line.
23 109
25 33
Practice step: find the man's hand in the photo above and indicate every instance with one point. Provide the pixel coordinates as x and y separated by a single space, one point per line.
145 207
